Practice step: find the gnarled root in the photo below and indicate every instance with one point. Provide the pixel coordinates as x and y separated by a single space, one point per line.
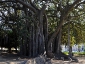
62 56
50 54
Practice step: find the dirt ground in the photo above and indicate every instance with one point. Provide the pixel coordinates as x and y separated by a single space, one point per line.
81 60
14 59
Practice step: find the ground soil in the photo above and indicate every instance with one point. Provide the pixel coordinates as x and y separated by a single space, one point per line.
16 59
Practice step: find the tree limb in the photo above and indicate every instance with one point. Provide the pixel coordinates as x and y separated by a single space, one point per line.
79 4
61 22
27 5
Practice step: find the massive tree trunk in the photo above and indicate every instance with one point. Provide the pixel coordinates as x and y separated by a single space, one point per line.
37 35
41 35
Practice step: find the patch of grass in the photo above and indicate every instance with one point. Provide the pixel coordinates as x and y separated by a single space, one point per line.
65 53
81 53
76 53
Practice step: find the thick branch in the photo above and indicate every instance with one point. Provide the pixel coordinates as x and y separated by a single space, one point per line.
33 5
71 7
27 5
80 4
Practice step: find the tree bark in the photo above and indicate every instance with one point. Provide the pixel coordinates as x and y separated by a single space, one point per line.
59 41
41 35
69 43
21 46
41 39
45 31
